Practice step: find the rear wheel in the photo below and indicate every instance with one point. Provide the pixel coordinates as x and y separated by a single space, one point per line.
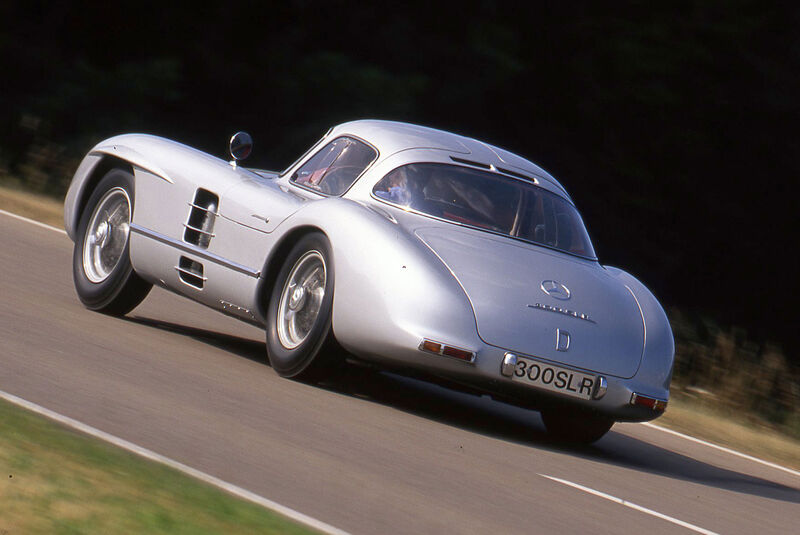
575 426
101 267
300 342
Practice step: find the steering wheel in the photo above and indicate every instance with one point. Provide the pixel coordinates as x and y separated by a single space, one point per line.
338 179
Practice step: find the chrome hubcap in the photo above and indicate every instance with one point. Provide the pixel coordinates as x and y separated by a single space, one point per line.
301 299
107 235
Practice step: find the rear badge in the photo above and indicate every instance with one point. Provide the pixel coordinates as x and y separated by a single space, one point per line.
562 340
565 311
555 290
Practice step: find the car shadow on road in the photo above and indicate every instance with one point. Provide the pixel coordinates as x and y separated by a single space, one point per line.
498 420
243 347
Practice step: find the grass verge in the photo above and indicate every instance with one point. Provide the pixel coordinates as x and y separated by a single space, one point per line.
38 207
723 428
55 480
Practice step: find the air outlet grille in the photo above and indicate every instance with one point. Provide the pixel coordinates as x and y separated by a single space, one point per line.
191 272
202 215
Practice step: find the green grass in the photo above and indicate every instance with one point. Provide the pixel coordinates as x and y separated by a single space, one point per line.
55 480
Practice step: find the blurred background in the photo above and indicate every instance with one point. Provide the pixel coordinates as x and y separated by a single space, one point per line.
674 127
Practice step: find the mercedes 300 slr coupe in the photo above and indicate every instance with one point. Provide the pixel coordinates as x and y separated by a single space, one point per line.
404 247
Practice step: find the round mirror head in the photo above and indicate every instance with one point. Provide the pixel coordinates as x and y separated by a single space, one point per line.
241 145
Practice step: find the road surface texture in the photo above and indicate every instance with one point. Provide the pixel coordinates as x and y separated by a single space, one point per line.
370 453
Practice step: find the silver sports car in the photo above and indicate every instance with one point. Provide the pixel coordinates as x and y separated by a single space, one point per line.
408 248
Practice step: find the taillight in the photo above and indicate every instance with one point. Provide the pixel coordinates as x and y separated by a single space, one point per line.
438 348
651 403
461 354
431 347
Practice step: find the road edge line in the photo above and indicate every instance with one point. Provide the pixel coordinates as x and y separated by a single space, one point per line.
723 448
33 221
632 505
188 470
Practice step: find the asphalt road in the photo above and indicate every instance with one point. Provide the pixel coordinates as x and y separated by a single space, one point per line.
372 453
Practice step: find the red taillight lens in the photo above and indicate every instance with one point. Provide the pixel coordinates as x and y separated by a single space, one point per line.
457 353
651 403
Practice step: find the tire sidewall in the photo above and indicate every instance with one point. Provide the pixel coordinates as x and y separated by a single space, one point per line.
97 295
293 362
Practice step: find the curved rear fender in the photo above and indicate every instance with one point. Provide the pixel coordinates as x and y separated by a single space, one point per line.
272 266
391 291
659 345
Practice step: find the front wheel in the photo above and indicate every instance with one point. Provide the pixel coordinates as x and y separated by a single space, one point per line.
101 266
300 342
575 426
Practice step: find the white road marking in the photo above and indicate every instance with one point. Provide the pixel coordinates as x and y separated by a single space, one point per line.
33 222
193 472
722 448
626 503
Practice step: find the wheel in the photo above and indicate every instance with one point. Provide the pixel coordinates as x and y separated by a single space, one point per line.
101 266
575 426
300 342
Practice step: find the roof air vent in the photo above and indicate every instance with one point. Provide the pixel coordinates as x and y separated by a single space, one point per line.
517 175
470 162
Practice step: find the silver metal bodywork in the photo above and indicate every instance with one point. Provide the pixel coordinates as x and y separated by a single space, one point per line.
400 277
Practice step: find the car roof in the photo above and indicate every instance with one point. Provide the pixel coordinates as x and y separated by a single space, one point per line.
391 137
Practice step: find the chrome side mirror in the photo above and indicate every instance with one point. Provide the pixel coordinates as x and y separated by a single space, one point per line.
241 146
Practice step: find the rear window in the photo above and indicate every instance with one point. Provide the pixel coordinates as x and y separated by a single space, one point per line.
335 167
487 201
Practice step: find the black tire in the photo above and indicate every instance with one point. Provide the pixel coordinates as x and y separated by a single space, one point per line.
120 290
575 426
316 354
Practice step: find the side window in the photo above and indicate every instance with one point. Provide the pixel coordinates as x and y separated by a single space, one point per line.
335 167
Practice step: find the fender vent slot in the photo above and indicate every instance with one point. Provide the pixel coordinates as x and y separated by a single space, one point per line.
199 229
191 272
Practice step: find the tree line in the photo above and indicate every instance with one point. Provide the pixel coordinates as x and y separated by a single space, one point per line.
673 126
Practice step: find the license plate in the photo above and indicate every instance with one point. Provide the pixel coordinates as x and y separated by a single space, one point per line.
555 378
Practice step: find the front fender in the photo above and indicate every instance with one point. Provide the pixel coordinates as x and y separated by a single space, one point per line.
77 191
125 148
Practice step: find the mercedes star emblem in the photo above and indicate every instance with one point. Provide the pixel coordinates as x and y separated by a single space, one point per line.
555 290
